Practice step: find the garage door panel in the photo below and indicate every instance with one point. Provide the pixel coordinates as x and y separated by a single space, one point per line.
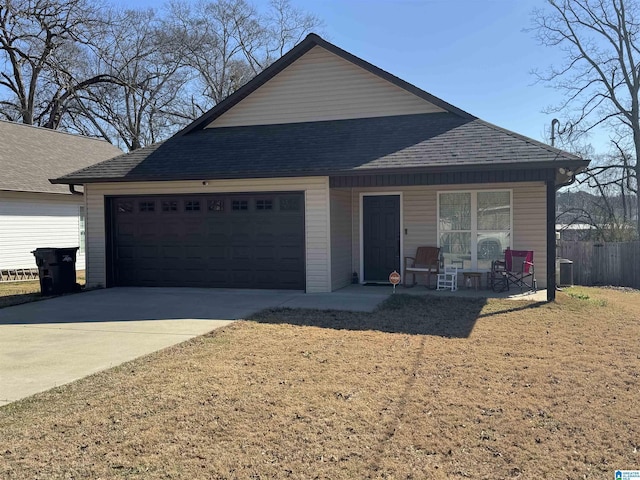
124 229
237 240
241 253
240 278
265 252
148 252
170 252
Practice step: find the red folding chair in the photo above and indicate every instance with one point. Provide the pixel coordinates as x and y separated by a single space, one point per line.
516 269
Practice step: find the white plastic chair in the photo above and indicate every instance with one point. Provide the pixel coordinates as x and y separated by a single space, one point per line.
449 279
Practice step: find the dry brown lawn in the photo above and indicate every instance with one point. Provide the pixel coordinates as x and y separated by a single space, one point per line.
423 388
15 293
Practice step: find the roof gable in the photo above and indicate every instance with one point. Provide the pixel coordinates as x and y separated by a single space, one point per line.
312 40
319 86
30 156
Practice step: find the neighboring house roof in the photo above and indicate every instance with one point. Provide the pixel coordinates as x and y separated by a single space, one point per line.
453 140
30 156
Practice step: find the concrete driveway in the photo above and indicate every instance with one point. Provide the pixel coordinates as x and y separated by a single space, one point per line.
52 342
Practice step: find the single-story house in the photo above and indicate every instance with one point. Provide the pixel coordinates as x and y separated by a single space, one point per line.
33 212
321 169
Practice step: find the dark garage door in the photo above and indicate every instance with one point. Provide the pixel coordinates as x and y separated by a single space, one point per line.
233 241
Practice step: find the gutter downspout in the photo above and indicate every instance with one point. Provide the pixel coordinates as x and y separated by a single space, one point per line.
552 188
72 189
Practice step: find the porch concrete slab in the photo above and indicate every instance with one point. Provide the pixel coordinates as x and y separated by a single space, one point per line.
52 342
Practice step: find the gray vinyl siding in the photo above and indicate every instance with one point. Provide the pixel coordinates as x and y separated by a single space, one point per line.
322 86
317 242
419 212
31 220
340 238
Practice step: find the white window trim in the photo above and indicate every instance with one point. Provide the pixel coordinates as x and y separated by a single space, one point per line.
474 219
361 214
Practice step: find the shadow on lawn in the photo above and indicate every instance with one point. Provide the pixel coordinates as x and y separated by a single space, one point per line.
515 308
414 315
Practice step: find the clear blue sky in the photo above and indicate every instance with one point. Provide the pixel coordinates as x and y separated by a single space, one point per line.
473 54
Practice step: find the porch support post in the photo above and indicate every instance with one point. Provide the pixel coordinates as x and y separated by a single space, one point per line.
551 241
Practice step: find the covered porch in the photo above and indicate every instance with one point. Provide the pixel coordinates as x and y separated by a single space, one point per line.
377 221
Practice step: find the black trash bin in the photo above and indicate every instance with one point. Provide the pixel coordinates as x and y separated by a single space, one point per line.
57 270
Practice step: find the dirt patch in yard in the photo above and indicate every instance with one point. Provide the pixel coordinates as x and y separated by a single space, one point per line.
513 390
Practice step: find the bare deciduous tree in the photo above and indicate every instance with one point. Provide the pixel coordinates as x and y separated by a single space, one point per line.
140 106
600 199
133 77
600 75
43 44
228 41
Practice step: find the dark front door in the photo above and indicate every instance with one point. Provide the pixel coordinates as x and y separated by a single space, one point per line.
381 236
248 240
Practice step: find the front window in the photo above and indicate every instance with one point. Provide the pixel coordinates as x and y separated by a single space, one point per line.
474 228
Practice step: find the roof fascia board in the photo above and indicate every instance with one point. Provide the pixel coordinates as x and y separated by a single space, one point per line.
567 163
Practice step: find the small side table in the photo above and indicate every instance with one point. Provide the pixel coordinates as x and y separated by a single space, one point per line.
474 279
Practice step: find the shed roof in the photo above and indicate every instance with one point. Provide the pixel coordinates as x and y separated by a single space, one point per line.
30 156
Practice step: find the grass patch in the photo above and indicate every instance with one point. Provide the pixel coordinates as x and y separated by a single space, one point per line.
583 293
16 293
421 388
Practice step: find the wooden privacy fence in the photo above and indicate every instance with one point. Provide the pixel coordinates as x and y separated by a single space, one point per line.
597 263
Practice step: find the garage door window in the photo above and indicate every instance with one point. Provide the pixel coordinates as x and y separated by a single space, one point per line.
169 206
264 204
192 206
240 205
290 204
147 206
216 205
125 207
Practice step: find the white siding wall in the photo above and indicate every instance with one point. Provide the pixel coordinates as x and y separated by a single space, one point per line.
340 238
322 86
420 219
317 232
29 221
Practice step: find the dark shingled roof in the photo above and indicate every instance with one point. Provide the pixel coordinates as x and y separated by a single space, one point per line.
434 142
30 156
